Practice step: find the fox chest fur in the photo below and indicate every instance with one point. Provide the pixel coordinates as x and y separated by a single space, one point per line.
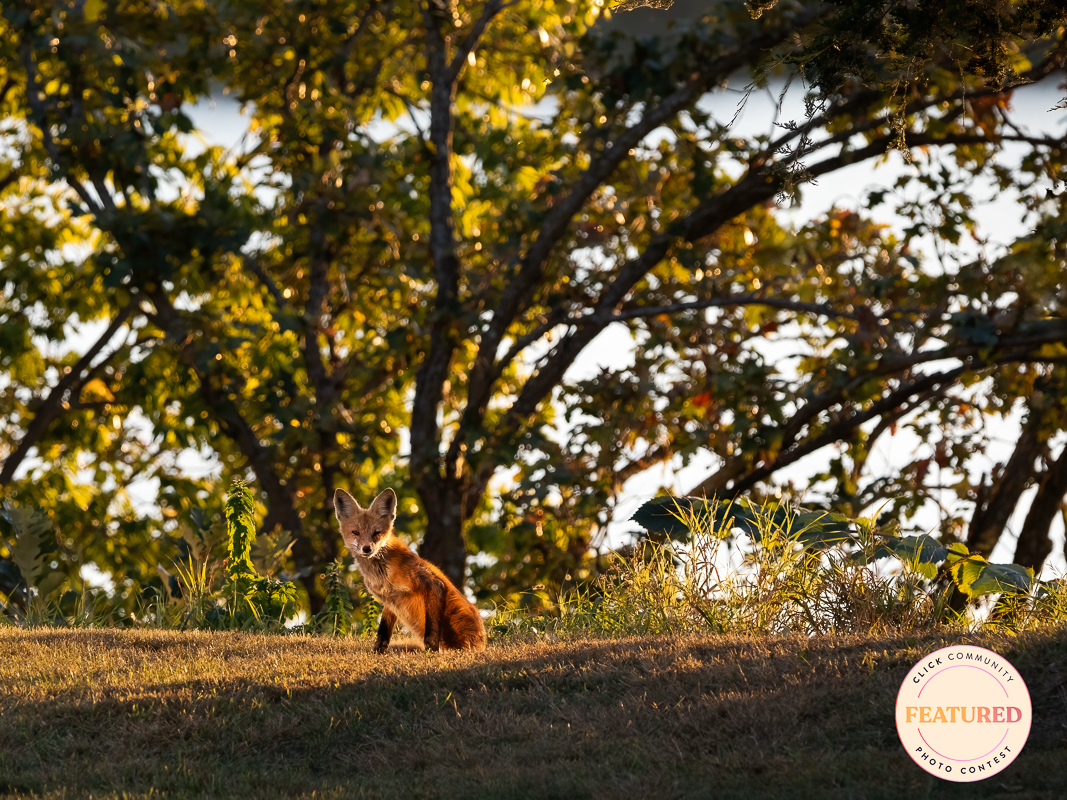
385 589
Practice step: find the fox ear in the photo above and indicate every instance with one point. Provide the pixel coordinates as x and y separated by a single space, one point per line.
344 505
384 505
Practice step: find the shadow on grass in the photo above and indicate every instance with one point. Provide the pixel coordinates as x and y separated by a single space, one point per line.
245 716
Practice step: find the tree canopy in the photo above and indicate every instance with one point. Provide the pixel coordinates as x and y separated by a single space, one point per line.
440 206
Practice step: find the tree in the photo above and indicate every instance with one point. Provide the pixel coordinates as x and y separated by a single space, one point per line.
391 281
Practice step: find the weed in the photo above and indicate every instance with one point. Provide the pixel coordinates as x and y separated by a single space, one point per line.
336 615
794 571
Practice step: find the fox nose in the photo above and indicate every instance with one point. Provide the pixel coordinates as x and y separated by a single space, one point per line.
366 548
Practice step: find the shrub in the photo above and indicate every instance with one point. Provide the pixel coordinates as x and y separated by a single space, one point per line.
247 599
793 570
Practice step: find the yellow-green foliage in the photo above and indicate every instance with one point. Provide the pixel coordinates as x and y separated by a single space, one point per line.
252 601
790 575
241 530
336 614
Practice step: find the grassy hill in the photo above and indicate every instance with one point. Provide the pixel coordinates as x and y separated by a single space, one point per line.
130 714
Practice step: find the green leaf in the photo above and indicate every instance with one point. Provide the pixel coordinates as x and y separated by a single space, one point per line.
977 577
241 528
32 529
667 516
923 553
50 583
678 517
336 614
270 550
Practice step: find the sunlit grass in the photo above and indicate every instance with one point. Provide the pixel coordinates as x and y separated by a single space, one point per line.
129 713
775 581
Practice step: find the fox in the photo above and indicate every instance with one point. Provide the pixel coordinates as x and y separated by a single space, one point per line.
409 588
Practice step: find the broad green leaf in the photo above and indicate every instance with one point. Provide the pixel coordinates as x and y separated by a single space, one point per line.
32 530
923 553
50 583
977 577
678 517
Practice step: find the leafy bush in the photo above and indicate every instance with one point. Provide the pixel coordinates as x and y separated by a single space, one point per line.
199 594
247 599
793 570
336 615
31 530
816 531
703 566
37 594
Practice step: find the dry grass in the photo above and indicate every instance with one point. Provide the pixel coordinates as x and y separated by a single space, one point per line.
125 714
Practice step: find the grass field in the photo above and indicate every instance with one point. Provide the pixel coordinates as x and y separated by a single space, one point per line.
139 713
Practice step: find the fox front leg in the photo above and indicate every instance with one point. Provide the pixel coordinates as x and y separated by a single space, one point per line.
385 630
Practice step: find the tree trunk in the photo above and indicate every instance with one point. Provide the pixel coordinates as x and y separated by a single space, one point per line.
998 500
444 543
992 513
1035 544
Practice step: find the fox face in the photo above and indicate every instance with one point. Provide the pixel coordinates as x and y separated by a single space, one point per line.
365 530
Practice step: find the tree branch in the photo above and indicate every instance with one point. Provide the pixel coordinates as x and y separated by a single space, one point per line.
653 456
1034 544
915 107
94 208
9 179
48 408
561 318
818 309
484 371
887 421
991 513
314 308
754 188
106 201
835 432
466 47
256 268
931 385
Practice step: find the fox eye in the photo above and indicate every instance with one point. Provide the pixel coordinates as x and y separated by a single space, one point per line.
376 535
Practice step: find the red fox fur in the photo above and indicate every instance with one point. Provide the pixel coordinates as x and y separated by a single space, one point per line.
409 588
